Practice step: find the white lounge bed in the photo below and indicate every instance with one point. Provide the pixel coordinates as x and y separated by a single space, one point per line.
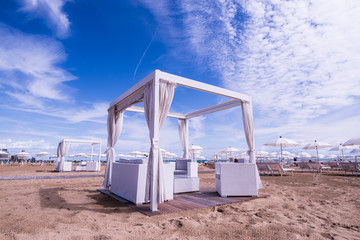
129 180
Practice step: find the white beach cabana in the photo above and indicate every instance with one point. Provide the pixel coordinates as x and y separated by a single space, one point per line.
156 91
63 149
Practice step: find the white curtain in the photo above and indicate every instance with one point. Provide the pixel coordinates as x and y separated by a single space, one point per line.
184 137
248 122
166 95
57 164
61 153
114 127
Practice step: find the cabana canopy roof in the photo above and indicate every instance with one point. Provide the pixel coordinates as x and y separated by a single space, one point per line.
138 89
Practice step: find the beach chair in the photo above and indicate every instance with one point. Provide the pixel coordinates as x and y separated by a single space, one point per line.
263 167
334 165
304 166
276 167
316 166
352 167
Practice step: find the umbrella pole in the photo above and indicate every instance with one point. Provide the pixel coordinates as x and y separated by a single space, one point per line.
281 163
317 153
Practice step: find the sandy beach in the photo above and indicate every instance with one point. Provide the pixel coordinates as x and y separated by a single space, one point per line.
302 205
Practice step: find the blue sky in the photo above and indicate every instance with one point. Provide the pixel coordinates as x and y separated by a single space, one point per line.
62 63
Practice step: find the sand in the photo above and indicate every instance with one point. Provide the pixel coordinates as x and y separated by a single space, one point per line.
302 205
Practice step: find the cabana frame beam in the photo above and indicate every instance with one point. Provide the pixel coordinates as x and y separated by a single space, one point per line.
170 114
215 108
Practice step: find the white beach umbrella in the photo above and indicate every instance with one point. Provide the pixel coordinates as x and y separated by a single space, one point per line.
353 141
355 150
201 158
261 154
23 155
216 156
195 151
42 154
341 148
230 150
138 154
282 142
82 155
316 145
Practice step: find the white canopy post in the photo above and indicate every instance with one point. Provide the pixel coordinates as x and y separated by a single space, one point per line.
63 148
249 129
248 122
184 136
158 97
114 127
99 154
57 164
92 152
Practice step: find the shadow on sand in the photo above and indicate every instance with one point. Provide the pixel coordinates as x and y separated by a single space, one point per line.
97 202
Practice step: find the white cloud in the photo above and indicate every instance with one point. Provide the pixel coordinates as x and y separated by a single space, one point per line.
297 59
30 75
51 11
27 145
28 64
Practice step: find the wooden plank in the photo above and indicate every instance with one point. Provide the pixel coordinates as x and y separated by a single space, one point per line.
206 197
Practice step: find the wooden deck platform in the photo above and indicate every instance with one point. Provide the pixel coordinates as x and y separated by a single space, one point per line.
206 197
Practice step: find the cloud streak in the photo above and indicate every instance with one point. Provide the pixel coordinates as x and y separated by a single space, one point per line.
50 11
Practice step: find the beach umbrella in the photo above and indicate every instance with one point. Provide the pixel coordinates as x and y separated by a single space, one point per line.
195 151
261 154
201 158
230 150
216 156
22 155
316 145
53 156
356 150
303 155
138 154
341 148
42 154
353 141
282 142
81 155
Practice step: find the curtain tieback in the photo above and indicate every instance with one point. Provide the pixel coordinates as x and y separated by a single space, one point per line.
110 149
155 144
